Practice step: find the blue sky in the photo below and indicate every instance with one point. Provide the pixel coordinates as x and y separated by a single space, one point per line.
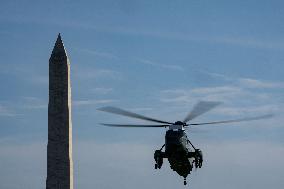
155 58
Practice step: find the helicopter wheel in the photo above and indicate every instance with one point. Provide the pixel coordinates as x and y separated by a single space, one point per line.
156 166
184 181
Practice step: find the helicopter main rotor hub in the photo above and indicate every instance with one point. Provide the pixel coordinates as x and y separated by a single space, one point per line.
178 125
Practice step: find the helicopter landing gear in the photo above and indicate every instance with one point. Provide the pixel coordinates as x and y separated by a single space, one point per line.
158 156
184 181
198 158
197 155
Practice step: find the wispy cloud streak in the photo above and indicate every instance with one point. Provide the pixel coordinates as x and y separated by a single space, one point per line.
5 112
254 83
102 90
97 73
91 102
248 82
163 66
244 41
98 53
34 103
239 99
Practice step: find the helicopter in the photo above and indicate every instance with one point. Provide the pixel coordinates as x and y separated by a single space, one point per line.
182 155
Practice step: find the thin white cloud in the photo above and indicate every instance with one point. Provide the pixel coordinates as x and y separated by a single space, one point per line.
31 102
96 73
254 83
238 101
251 42
245 82
221 93
98 53
220 89
243 41
91 102
102 90
163 66
216 75
28 73
20 106
5 112
39 79
249 110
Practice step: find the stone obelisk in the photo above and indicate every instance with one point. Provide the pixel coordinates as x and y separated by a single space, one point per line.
59 147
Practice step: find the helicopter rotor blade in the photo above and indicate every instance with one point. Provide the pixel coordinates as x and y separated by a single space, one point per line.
135 126
122 112
235 120
200 108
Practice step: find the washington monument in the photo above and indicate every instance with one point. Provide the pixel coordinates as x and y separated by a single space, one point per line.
59 147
